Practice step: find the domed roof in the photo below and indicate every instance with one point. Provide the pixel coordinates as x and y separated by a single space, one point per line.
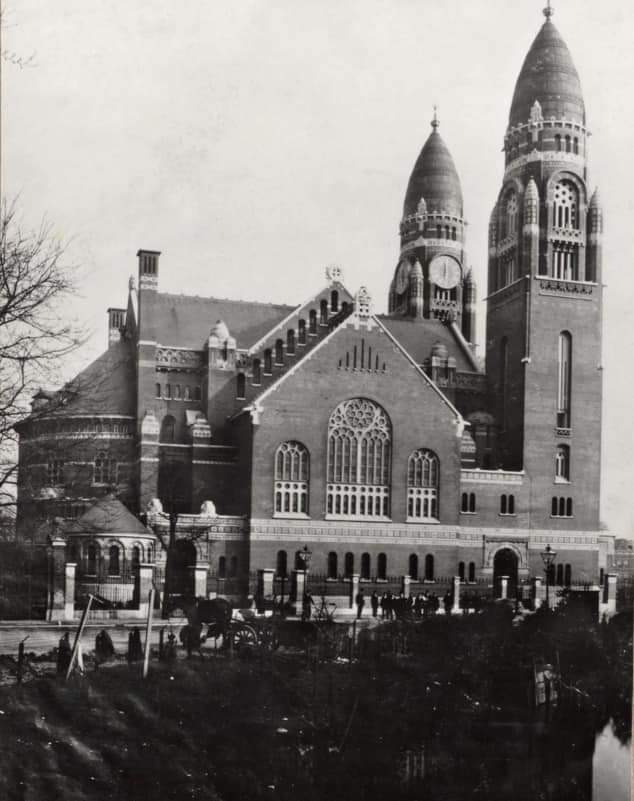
549 76
435 179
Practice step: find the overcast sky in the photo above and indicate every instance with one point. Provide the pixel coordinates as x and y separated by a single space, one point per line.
256 142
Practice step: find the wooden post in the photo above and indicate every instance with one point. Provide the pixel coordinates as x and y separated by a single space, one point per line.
148 634
80 630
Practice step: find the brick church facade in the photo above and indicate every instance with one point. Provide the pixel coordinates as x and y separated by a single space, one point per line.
379 442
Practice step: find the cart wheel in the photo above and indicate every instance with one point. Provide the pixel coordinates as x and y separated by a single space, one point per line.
245 636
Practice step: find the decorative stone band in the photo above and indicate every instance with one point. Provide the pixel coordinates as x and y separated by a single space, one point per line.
550 156
178 358
148 282
556 287
492 476
447 244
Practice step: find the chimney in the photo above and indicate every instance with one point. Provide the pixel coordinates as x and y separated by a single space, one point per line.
148 268
116 324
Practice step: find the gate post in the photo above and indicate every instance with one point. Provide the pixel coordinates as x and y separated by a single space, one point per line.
456 595
266 576
406 586
69 590
56 600
146 573
354 589
504 587
610 594
199 579
299 588
537 592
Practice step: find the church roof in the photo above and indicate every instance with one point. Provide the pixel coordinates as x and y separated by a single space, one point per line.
185 321
549 76
418 337
435 179
107 516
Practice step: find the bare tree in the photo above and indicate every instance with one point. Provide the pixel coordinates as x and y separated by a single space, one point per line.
36 330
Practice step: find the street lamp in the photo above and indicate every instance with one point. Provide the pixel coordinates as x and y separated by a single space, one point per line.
548 557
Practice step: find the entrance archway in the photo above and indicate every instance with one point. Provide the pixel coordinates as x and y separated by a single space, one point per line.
505 563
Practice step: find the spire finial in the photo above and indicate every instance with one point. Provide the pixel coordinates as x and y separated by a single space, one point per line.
549 10
434 122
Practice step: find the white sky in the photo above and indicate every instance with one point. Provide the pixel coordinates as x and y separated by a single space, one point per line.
256 142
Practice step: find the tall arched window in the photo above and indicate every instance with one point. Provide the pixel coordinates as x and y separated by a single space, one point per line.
422 485
349 564
461 571
312 322
241 385
566 205
290 341
471 571
136 556
301 338
557 142
564 380
91 560
509 227
412 567
292 474
113 561
359 456
222 566
381 566
281 567
268 362
334 300
168 426
365 565
257 372
332 565
279 352
562 463
429 567
323 312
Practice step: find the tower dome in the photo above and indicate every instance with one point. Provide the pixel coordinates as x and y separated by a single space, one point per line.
549 76
434 179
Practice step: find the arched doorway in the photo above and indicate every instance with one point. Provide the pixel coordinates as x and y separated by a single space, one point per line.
181 579
505 563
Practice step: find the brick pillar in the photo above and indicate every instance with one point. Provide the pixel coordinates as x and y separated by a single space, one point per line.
456 595
265 583
537 592
407 586
146 573
504 587
299 587
69 590
199 579
354 589
56 601
610 594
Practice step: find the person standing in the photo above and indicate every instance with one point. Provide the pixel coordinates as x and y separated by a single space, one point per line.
374 601
360 602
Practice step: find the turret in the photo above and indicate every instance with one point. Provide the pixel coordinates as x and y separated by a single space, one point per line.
595 239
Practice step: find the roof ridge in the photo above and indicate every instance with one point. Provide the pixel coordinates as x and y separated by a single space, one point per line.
183 296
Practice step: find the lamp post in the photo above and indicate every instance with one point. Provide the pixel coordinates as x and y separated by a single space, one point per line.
548 557
303 558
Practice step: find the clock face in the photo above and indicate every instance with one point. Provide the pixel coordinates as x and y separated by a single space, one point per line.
402 276
444 271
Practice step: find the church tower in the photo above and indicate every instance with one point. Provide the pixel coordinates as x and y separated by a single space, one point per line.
431 280
544 293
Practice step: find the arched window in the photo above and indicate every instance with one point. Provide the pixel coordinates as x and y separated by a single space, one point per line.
91 560
268 362
503 505
334 301
568 147
323 312
471 503
281 567
568 507
257 372
381 567
509 227
349 564
241 385
312 322
412 567
568 576
576 146
168 390
188 393
507 505
566 205
553 507
429 567
301 338
233 567
279 352
292 474
359 457
438 231
461 572
557 142
422 485
332 565
136 556
464 505
471 571
168 426
562 463
453 234
222 566
105 469
559 580
564 380
511 505
365 565
290 341
113 560
158 390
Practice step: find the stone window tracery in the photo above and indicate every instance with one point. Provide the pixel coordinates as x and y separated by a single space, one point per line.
55 471
105 469
359 460
423 474
292 474
562 463
510 216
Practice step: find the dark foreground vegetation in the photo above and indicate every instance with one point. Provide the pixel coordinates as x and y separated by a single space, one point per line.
439 710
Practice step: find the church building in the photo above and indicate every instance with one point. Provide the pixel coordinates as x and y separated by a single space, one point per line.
380 444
